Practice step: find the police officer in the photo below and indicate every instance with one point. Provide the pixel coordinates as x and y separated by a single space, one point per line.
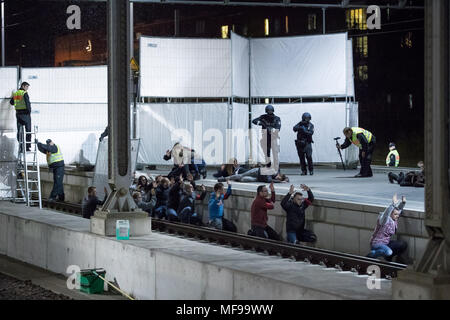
305 131
21 102
393 157
55 162
271 125
365 141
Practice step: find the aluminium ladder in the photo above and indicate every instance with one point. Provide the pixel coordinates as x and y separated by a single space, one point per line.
28 176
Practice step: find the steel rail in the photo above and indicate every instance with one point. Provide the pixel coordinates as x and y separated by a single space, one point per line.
325 258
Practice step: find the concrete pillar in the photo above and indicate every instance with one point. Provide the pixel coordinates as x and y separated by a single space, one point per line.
430 278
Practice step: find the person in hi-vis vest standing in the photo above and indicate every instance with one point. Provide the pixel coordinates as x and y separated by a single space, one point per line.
21 102
393 157
56 163
365 141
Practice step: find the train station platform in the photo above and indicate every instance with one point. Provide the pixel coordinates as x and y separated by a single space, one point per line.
343 215
159 266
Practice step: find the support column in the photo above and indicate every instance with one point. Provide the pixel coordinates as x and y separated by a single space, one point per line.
430 278
119 205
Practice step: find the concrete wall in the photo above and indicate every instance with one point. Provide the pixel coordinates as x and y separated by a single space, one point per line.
165 267
341 226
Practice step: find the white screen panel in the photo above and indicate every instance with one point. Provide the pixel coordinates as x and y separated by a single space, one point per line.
8 81
328 119
350 74
239 136
76 146
67 84
299 66
69 117
185 67
195 125
240 50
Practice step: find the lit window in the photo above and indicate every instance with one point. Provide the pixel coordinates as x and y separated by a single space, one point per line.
363 73
224 32
287 24
312 21
407 41
356 19
362 46
89 46
266 27
266 100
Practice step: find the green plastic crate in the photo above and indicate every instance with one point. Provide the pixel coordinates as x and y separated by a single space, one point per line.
90 282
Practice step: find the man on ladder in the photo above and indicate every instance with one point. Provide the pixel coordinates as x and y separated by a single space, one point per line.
21 102
56 163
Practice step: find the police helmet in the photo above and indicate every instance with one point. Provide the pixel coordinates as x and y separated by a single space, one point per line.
270 109
306 116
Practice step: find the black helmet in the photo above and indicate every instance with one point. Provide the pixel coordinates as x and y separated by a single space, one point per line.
48 141
306 116
391 145
270 109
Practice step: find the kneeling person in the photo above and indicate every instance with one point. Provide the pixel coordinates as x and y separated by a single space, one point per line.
295 215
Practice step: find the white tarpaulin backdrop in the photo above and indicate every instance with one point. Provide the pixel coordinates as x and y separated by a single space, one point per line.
69 106
328 118
240 55
299 66
174 67
194 125
67 84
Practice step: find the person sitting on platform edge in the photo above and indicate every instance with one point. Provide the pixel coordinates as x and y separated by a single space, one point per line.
91 201
410 179
186 210
215 207
295 215
55 162
162 197
259 218
381 243
144 205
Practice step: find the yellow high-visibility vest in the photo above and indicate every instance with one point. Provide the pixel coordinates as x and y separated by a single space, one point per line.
397 158
19 101
54 157
357 131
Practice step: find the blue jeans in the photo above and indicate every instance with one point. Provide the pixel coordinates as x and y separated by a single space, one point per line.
216 223
58 186
160 212
172 215
291 237
380 250
188 216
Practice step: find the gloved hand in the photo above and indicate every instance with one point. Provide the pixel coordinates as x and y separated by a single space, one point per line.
36 141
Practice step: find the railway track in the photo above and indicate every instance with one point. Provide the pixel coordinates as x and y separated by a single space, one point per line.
326 258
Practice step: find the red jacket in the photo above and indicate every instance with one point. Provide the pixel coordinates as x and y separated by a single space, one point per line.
259 210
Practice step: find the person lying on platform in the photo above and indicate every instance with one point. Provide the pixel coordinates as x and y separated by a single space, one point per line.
91 201
264 174
262 203
231 168
411 178
186 210
146 206
215 208
381 243
295 205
